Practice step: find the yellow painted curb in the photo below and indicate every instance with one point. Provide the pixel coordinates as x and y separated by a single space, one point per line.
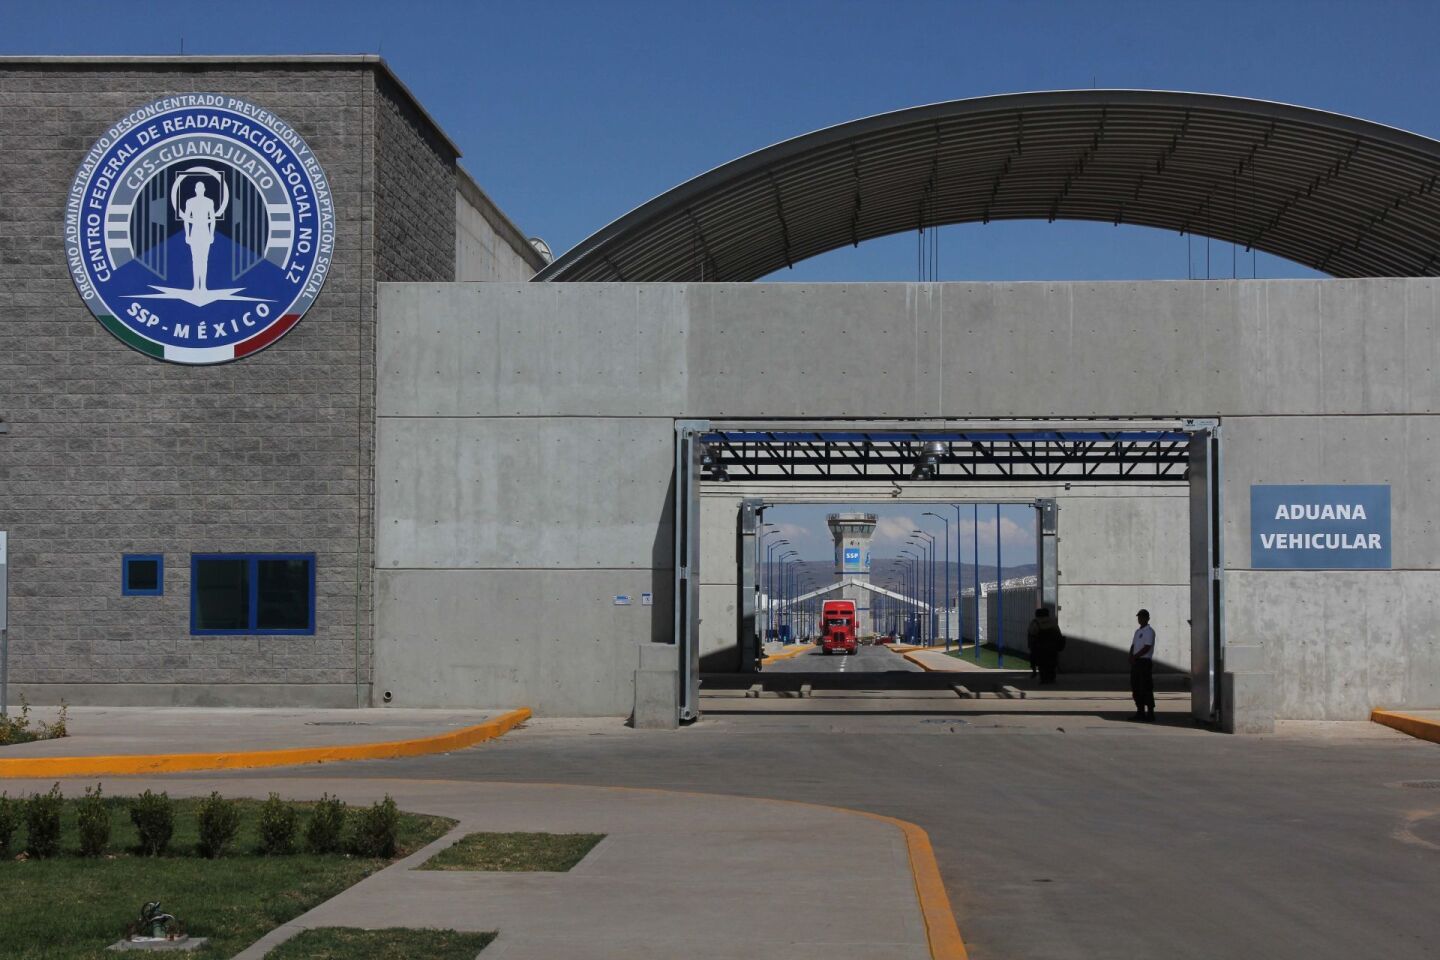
905 652
920 663
1414 726
45 767
775 658
941 930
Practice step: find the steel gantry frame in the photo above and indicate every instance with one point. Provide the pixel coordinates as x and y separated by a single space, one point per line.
999 456
1181 451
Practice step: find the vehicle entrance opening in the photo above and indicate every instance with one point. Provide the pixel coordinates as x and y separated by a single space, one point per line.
929 552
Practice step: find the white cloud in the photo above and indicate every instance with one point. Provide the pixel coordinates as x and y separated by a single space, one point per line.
892 532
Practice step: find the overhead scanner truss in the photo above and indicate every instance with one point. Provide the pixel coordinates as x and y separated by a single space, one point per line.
1071 456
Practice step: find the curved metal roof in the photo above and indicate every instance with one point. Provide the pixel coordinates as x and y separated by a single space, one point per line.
1345 196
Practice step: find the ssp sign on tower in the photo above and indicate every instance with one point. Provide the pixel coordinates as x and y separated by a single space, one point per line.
199 228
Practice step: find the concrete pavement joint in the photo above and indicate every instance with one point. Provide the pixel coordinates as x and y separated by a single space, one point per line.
140 764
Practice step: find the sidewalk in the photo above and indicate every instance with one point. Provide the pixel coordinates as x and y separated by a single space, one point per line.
933 660
130 740
679 875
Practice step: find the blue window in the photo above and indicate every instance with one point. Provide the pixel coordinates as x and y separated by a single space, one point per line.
142 575
247 593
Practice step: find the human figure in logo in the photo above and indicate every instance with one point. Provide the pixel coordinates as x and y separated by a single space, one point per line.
199 218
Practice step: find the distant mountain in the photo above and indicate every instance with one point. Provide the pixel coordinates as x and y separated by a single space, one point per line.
822 572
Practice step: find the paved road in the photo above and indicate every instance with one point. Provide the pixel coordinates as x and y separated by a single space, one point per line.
1065 836
867 659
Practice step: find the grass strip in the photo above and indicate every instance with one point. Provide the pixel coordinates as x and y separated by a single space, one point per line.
71 908
515 852
990 657
348 943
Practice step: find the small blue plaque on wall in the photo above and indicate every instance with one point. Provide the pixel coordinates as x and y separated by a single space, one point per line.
1320 526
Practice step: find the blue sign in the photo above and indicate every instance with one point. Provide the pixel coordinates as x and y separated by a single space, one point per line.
852 555
1320 526
199 228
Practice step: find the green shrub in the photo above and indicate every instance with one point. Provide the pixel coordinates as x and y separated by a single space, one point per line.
9 819
92 822
219 822
326 831
375 830
17 729
42 823
278 825
60 728
154 818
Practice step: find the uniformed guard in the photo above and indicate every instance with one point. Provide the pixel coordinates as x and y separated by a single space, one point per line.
1142 668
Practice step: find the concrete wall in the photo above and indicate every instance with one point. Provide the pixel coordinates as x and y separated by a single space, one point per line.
1315 381
488 246
521 486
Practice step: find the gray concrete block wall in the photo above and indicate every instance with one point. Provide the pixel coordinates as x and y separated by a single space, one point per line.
111 452
414 191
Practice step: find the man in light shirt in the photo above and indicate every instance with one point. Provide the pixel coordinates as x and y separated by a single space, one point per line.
1142 663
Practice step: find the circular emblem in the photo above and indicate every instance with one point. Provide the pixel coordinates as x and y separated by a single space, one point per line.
199 228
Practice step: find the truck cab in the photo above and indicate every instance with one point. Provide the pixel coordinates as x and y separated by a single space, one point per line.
837 623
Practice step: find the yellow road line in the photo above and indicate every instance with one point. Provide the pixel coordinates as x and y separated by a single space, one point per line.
44 767
1405 723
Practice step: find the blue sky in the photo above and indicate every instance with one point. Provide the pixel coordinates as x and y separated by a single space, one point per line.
570 114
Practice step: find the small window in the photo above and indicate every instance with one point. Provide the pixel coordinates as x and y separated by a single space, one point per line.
252 593
142 575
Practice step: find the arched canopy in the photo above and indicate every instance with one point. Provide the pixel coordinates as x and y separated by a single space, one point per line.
1344 196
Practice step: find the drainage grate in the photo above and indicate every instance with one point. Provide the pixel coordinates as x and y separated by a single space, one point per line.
1421 784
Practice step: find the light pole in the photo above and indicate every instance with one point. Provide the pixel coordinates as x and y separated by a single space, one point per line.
960 581
999 596
785 586
914 586
770 586
946 574
929 582
762 580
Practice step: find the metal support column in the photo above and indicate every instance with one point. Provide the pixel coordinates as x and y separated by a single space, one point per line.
687 562
748 638
1047 552
1207 640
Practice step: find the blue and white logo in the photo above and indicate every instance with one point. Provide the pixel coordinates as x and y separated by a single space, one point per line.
199 228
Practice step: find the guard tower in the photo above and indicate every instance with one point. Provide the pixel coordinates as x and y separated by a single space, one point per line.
852 533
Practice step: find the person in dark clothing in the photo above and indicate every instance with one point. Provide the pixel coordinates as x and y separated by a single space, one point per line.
1046 642
1142 668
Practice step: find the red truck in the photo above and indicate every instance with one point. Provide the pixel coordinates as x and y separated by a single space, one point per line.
837 619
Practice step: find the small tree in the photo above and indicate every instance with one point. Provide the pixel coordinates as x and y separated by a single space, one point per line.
42 823
9 820
219 823
326 831
154 818
375 830
278 825
92 821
